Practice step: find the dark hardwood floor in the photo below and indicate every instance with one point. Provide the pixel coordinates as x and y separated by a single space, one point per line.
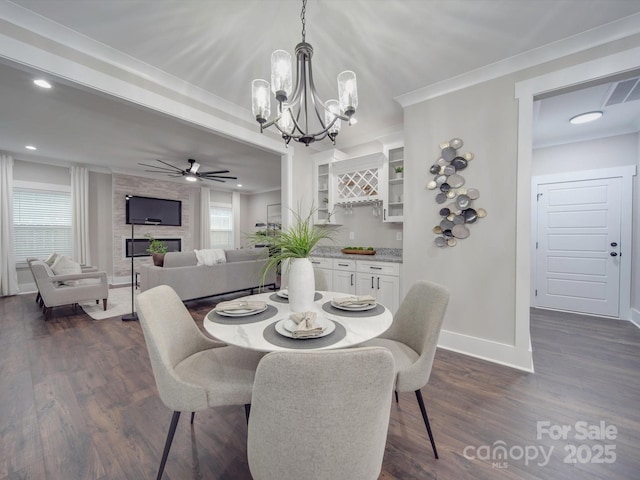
78 401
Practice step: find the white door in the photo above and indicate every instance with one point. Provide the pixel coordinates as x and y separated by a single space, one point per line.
578 247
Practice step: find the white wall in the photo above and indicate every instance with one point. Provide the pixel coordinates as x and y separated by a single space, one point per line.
254 210
481 270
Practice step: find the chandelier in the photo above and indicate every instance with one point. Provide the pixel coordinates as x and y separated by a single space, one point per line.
295 112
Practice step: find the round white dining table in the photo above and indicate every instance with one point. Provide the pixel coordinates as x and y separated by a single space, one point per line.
258 332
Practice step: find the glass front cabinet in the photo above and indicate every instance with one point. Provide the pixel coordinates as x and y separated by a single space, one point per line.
393 174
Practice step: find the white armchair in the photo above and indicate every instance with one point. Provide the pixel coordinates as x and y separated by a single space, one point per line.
56 290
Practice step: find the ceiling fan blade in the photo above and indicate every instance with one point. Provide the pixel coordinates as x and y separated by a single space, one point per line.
214 179
160 169
219 176
172 166
213 172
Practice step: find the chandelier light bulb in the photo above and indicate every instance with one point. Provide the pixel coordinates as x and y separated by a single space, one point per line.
281 79
285 122
331 112
260 100
348 92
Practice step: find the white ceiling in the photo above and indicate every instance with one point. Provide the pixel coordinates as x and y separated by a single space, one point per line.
395 47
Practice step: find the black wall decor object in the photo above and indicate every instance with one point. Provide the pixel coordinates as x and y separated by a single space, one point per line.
456 202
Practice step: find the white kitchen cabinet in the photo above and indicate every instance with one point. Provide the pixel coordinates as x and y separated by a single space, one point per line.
344 276
381 280
323 272
393 191
324 187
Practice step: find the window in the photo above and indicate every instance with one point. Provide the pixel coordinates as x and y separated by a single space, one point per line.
221 224
41 223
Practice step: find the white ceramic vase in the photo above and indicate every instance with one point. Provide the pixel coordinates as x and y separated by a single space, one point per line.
302 285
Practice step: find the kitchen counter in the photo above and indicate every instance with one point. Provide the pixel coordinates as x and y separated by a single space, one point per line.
392 255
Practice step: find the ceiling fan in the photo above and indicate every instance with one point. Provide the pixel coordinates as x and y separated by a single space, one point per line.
191 173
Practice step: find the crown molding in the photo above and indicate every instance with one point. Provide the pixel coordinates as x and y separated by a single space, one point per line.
595 37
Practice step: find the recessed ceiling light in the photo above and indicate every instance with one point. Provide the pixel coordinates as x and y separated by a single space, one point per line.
42 83
239 185
585 117
30 147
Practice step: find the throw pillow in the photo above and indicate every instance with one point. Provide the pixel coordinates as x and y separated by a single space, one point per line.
211 256
65 266
51 259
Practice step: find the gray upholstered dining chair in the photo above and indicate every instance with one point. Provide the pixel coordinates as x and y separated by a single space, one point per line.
192 372
413 338
320 415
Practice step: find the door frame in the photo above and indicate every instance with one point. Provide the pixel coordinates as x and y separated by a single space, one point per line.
525 91
626 173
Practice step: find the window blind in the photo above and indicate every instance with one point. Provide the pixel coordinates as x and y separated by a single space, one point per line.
221 222
41 223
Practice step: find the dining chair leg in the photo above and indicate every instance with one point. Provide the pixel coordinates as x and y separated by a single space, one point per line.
38 298
426 421
247 411
396 392
167 444
193 415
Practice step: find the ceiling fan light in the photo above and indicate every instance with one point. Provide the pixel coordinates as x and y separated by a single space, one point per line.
191 178
585 117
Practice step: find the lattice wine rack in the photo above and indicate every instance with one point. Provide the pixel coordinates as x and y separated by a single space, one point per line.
360 186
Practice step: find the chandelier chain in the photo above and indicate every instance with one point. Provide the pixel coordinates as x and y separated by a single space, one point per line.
304 22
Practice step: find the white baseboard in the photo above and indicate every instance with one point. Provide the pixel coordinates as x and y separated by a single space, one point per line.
495 352
635 317
25 288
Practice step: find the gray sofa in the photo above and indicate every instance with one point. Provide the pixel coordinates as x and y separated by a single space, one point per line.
242 271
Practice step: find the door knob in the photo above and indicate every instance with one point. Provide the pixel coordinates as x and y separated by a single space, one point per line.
614 244
613 254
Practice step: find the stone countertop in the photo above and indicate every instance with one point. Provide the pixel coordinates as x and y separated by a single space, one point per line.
392 255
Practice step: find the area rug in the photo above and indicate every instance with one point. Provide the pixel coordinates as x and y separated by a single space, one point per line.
118 304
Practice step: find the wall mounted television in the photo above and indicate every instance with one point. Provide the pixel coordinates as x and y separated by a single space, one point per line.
153 211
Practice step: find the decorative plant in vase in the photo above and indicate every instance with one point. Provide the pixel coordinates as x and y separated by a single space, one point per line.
157 249
292 246
399 171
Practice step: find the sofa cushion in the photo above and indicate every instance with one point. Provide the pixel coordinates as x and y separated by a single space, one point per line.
246 254
51 259
65 266
180 259
210 256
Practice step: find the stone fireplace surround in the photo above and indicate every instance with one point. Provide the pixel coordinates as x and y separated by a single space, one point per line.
123 185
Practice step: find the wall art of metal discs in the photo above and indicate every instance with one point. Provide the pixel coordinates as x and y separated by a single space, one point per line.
456 201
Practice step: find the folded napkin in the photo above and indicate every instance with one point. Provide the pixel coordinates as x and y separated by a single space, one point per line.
235 305
307 325
355 301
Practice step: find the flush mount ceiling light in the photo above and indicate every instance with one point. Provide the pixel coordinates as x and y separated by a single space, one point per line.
585 117
42 83
30 147
295 114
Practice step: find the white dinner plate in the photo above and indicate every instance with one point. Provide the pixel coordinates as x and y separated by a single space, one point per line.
283 293
359 308
286 326
242 312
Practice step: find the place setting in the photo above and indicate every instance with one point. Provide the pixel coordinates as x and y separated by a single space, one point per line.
282 296
353 306
304 330
241 311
